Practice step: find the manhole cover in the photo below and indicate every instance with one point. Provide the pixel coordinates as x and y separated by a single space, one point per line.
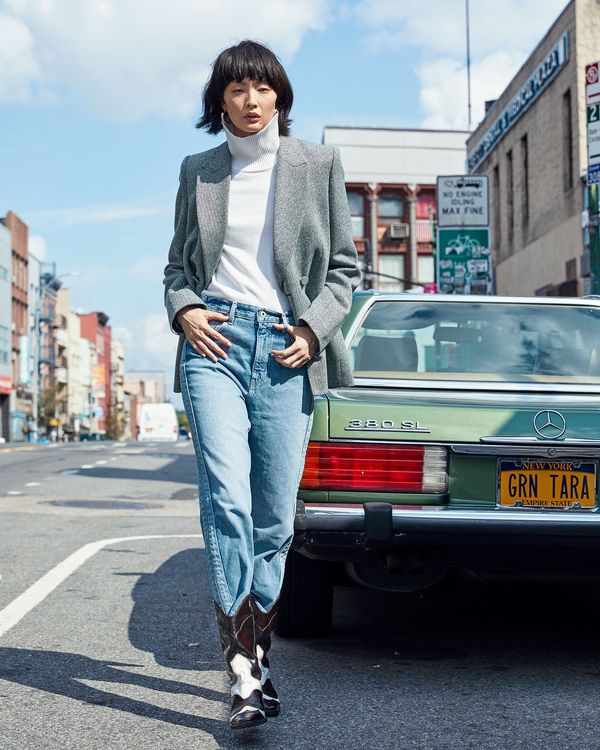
107 504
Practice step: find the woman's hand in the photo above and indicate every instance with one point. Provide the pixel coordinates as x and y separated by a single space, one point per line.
300 352
198 331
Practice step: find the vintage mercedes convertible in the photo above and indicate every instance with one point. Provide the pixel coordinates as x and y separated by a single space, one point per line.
470 441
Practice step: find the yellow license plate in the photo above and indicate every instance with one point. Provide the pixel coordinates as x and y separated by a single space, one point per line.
528 483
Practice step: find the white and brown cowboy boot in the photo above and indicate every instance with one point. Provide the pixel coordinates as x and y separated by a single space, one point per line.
263 625
239 646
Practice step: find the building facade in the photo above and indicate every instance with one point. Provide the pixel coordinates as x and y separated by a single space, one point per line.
117 374
390 182
75 363
21 406
5 331
95 328
532 146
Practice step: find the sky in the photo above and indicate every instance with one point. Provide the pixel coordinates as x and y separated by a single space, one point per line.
98 101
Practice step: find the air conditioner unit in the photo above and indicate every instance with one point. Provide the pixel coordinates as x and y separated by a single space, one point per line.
398 231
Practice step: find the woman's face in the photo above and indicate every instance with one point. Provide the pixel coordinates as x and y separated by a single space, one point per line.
250 105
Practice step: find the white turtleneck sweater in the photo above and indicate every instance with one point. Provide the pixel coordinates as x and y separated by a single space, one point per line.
246 272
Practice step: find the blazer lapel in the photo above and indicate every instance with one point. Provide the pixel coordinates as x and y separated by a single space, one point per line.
212 202
291 180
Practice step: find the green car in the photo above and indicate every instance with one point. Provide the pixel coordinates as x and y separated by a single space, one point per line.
470 441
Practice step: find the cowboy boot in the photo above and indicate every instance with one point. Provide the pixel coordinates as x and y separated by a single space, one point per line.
263 625
239 646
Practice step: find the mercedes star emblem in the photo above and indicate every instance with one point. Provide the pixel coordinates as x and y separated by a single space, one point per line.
549 424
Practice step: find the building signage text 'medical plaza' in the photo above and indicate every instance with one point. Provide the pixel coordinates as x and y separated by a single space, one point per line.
527 94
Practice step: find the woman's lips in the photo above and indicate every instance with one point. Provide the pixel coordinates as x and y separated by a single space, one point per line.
252 117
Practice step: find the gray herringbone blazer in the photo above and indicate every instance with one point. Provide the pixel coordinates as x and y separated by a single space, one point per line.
314 254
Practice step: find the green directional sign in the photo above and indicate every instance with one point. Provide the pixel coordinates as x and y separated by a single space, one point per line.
464 263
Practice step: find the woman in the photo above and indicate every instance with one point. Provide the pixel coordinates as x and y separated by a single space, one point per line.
260 277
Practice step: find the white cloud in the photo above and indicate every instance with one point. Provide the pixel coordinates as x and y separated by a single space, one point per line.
94 214
19 69
37 246
124 335
502 35
125 59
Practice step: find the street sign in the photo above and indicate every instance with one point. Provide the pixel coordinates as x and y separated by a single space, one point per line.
462 200
592 84
593 133
464 262
593 174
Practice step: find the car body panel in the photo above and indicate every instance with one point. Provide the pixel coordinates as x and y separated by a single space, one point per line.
479 421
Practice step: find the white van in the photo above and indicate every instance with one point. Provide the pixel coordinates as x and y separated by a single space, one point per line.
158 422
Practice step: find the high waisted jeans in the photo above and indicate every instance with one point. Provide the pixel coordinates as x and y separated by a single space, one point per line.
250 419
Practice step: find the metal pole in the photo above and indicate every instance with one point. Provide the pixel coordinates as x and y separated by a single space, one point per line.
412 238
468 62
373 210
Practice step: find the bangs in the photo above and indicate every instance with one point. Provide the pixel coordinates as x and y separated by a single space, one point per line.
250 63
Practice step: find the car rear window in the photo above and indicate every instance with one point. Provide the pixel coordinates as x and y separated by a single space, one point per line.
474 341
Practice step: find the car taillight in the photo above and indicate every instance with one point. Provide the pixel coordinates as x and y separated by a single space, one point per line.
383 468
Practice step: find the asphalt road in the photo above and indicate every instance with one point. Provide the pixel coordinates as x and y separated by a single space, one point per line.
107 635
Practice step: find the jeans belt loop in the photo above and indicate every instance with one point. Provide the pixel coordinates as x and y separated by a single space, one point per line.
232 312
285 321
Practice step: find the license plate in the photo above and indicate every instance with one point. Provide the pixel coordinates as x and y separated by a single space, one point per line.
529 483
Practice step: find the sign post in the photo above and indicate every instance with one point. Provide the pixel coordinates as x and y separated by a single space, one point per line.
464 263
463 258
462 201
592 100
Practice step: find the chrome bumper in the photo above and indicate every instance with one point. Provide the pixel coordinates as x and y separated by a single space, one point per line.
381 521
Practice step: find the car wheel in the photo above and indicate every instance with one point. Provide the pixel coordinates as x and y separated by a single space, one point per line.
306 599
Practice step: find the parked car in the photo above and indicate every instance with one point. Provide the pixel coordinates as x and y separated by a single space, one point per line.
470 441
158 422
91 436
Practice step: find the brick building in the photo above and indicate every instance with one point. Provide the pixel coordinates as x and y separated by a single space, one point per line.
390 182
22 398
532 145
95 328
5 331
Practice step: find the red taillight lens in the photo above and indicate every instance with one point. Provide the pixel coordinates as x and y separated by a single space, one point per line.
383 468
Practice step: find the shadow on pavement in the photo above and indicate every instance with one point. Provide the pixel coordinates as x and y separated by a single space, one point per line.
395 666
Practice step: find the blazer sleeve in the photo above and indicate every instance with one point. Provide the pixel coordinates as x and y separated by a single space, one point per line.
178 293
331 306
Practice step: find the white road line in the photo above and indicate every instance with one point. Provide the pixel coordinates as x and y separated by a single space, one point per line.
36 593
32 484
14 492
87 466
102 462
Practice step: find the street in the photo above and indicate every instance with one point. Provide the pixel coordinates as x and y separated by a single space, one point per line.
117 647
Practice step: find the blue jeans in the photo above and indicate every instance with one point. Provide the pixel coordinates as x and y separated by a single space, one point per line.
250 419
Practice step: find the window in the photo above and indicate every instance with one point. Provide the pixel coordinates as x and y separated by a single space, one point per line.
356 204
567 140
524 181
391 206
496 204
510 191
469 340
426 273
393 265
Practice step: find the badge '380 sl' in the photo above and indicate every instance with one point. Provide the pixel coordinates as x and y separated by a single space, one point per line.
385 425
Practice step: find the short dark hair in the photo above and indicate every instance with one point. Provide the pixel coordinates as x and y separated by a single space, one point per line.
248 59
